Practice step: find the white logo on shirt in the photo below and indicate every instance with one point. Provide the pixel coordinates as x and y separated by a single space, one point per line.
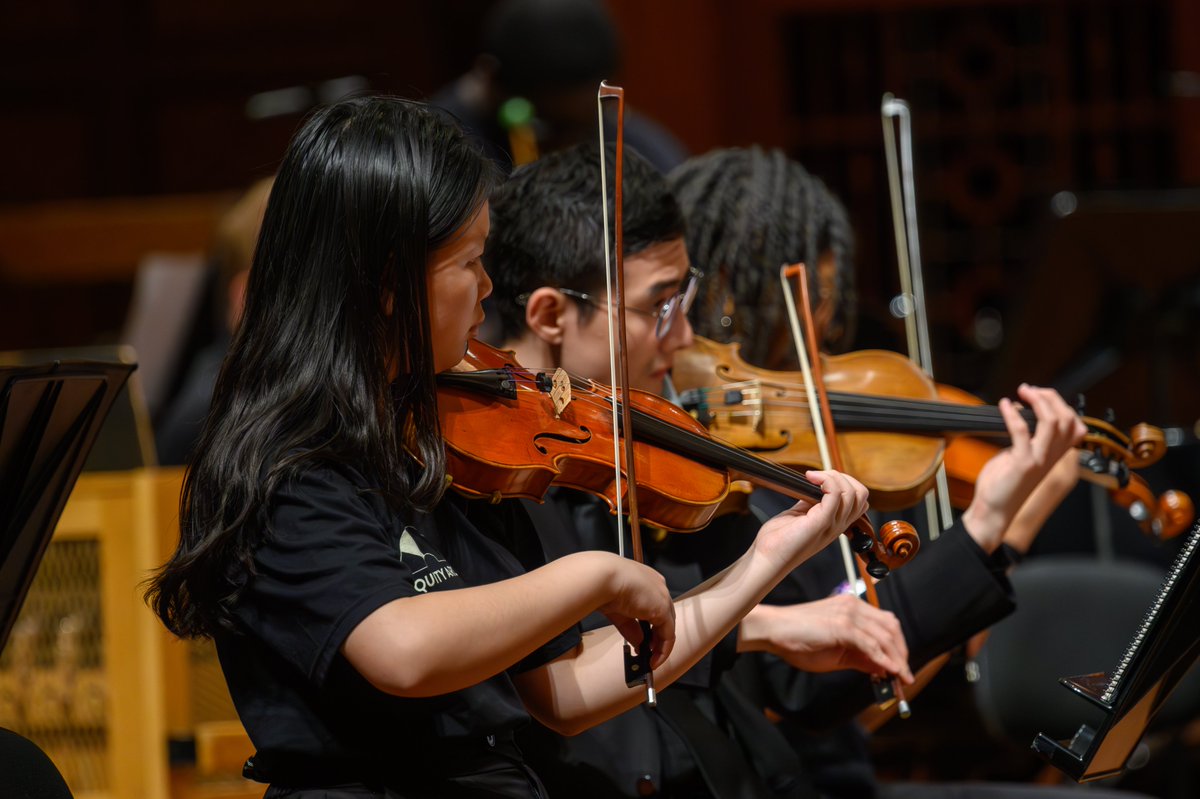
434 571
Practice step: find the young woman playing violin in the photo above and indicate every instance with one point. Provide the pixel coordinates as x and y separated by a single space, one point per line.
379 638
748 212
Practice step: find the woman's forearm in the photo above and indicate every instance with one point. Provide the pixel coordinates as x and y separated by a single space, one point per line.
444 641
586 687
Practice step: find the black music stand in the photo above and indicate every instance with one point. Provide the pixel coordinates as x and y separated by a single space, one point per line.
49 417
1163 649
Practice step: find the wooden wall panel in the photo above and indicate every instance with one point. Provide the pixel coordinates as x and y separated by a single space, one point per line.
1014 100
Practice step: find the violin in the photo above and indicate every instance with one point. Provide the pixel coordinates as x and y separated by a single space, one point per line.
512 432
893 425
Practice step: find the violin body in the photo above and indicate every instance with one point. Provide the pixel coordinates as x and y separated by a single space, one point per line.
898 468
895 426
491 455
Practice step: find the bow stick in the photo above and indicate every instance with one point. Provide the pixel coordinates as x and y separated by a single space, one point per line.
911 302
637 665
886 691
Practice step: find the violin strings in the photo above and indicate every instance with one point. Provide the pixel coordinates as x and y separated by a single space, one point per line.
907 413
710 450
867 412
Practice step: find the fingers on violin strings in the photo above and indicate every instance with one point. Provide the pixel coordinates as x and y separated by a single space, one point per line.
862 497
830 481
1018 430
1072 426
817 476
837 491
1056 423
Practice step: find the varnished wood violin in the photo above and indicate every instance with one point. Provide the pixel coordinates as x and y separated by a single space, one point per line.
894 426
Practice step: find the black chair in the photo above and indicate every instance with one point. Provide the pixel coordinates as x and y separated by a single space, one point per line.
1075 615
26 772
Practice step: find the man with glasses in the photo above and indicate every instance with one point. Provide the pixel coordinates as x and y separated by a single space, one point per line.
545 255
546 259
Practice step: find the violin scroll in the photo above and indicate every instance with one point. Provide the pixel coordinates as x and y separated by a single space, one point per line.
898 541
1148 445
890 547
1174 513
1164 518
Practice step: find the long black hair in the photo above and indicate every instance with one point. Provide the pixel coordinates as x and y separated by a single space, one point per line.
336 299
748 212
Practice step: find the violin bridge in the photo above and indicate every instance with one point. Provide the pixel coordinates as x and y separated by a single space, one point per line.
560 391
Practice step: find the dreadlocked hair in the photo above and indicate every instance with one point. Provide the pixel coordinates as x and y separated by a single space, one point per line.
748 212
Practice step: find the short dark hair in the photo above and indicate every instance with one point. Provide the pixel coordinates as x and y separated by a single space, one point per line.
547 228
750 211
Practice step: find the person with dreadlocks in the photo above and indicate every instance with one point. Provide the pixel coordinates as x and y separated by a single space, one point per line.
748 212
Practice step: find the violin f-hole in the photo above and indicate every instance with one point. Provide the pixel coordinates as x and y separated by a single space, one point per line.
563 437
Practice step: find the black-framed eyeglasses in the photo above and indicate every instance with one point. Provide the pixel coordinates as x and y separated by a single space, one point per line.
666 314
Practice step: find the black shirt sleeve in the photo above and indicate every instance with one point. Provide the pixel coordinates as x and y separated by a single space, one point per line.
328 561
951 590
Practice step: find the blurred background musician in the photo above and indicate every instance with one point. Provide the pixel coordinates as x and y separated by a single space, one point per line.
533 88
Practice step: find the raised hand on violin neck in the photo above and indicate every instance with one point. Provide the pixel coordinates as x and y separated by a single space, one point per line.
1010 478
806 528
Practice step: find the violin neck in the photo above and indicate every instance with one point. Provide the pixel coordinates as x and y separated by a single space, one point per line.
717 454
889 414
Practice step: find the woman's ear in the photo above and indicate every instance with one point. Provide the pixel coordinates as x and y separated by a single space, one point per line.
544 314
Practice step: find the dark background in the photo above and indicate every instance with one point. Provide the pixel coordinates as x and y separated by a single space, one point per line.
124 127
1013 102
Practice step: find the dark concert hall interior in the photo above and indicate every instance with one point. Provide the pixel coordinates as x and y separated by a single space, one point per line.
577 398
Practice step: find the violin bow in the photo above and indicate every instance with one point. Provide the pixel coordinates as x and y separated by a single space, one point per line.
911 303
886 691
637 665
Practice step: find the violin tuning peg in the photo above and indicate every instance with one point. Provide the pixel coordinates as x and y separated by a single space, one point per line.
877 569
862 543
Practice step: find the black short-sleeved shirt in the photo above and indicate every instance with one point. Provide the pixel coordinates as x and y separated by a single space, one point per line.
334 554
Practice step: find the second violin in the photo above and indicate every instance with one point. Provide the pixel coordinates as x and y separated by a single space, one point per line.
893 425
